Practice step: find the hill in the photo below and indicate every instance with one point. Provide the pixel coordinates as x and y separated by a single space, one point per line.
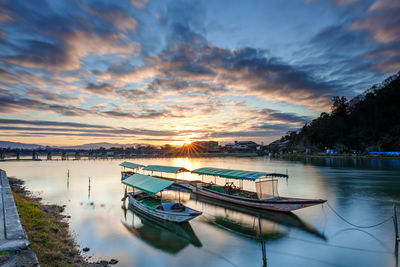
368 122
17 145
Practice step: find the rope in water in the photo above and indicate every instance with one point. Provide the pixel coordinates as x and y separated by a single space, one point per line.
358 226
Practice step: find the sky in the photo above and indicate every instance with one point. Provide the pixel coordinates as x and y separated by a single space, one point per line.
158 72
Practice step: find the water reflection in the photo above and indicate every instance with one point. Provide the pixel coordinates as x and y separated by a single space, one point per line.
166 236
243 220
280 218
350 162
249 231
362 191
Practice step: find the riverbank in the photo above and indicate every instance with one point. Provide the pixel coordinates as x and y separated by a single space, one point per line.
48 231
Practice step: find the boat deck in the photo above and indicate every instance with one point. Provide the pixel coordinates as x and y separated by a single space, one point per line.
150 203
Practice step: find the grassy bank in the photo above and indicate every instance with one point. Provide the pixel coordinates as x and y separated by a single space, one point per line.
46 229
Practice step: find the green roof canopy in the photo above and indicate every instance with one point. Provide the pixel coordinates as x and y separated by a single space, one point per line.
148 184
159 168
236 174
130 165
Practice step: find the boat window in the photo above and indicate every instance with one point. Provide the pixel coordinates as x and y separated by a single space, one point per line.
266 189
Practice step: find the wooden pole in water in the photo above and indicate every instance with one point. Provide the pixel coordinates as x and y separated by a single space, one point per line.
89 190
262 243
396 252
396 229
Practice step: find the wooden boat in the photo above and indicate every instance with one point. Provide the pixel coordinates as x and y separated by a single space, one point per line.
161 234
133 168
266 196
148 202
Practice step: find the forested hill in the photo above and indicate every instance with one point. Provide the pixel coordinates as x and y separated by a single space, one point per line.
368 122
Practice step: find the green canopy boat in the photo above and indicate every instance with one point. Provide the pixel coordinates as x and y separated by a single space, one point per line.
148 202
266 196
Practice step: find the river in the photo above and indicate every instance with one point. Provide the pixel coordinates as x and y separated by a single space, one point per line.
362 191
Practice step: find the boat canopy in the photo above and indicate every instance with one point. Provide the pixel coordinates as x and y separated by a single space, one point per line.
236 174
130 165
146 183
159 168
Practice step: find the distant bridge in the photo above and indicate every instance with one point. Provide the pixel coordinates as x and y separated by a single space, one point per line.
68 154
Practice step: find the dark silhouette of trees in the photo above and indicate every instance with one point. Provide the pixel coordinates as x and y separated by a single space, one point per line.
372 123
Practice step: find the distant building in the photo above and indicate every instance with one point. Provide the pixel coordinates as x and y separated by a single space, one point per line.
278 146
206 146
243 146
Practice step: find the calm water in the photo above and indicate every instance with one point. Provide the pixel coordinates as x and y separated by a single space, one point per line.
363 191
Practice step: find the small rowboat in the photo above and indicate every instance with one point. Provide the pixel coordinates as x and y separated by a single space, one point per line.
148 202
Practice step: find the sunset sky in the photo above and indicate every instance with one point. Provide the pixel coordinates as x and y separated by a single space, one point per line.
74 72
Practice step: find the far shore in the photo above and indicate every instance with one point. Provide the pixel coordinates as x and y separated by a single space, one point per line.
341 155
209 155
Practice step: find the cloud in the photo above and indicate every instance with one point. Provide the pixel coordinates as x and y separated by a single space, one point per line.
139 3
61 41
215 70
51 96
382 22
113 15
13 103
52 123
101 89
69 49
281 117
76 129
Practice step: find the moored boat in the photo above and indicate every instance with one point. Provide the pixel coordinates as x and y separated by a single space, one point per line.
266 196
133 168
149 203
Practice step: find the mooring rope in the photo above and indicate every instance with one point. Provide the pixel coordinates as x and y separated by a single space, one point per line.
358 226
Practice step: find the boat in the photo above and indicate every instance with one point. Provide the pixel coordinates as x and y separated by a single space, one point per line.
145 200
133 168
266 196
164 235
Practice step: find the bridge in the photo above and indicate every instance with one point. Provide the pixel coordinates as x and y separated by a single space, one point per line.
73 154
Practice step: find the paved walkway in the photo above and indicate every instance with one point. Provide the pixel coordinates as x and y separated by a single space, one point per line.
12 234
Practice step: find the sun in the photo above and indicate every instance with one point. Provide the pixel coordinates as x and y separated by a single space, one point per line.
187 141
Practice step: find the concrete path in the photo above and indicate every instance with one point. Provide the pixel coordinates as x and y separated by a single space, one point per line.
12 234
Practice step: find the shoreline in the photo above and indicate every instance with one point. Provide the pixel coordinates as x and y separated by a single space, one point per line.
314 155
48 231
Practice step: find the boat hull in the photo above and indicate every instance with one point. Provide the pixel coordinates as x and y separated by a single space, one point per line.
177 217
281 204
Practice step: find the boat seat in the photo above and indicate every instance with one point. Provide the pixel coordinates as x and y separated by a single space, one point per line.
231 188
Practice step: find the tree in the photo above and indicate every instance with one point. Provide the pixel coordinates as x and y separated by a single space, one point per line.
340 106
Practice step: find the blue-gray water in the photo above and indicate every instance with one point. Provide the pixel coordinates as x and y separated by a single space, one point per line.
361 190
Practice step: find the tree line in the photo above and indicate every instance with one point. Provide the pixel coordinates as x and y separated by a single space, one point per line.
372 123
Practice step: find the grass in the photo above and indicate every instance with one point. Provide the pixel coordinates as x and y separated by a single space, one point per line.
48 233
